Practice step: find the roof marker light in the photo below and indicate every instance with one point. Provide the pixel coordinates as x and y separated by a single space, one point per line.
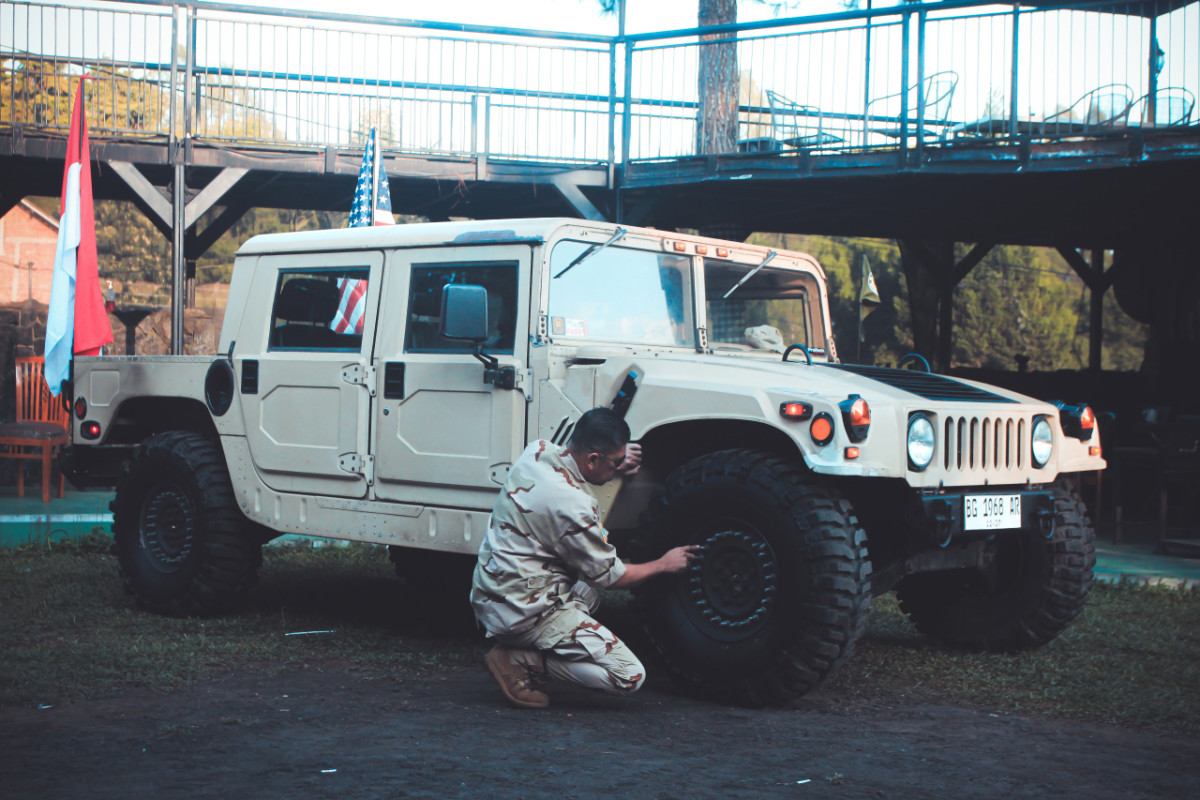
722 252
680 247
702 249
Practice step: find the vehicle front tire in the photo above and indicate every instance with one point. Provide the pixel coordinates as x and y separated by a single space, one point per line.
779 594
184 547
1036 587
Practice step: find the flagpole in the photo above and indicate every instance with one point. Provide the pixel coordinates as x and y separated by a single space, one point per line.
858 350
374 176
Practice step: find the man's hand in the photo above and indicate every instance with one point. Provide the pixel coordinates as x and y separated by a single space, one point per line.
678 559
633 460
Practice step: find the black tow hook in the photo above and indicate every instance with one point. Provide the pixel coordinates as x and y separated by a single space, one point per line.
941 517
1045 516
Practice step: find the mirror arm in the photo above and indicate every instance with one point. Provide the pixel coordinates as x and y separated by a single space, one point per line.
493 373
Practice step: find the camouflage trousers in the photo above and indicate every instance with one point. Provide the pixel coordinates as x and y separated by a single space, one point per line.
590 654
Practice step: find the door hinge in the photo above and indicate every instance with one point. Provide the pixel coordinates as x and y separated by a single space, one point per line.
360 374
357 464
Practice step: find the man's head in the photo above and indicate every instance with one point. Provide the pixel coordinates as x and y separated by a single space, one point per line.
598 444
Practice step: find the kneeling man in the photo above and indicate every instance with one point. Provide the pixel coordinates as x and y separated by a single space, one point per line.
543 559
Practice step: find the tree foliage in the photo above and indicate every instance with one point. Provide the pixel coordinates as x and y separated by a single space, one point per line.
1019 301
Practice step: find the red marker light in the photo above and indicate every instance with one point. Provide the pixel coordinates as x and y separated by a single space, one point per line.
1094 450
722 252
702 249
1087 418
680 247
798 411
851 452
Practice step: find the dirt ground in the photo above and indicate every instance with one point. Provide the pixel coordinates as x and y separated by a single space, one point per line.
328 730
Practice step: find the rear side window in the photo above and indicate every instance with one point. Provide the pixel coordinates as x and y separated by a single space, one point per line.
321 309
425 305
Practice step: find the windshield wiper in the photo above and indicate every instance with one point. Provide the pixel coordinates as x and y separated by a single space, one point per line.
591 251
749 275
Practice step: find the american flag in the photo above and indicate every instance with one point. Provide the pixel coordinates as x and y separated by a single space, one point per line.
372 206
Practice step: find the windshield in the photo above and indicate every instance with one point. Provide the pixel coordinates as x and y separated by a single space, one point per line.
621 295
772 310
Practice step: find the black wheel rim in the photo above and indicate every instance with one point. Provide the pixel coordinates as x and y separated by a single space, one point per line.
732 583
167 527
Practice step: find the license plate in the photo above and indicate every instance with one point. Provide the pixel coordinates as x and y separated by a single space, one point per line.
985 512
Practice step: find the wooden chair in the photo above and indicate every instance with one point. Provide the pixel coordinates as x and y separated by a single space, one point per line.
40 427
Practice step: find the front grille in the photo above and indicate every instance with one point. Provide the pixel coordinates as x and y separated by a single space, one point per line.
984 444
924 384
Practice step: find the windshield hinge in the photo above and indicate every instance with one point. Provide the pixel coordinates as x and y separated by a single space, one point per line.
361 375
702 339
357 464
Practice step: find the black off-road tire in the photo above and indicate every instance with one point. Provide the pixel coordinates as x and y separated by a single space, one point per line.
780 592
1038 586
184 547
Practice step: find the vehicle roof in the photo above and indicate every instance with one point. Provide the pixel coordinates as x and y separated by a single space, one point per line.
429 234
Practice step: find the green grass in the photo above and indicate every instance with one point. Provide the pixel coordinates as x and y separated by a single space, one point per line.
69 630
1132 658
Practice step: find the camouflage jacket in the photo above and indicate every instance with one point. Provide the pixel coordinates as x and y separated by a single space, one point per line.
543 536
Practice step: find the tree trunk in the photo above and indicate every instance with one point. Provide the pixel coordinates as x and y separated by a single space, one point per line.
717 119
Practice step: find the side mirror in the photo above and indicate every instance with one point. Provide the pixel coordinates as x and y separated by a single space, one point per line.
464 313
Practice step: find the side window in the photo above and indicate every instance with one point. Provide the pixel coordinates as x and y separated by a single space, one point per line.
320 309
425 305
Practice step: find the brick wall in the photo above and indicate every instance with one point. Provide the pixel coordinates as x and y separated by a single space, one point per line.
26 237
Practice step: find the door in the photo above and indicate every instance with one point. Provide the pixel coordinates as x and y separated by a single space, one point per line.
305 396
442 436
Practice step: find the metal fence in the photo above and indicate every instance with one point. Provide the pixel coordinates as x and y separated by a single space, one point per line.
910 76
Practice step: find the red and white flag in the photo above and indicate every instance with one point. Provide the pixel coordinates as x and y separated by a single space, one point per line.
77 323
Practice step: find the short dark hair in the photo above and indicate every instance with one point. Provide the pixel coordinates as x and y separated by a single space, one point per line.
600 430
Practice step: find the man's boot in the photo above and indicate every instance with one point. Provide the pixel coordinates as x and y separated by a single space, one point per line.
520 673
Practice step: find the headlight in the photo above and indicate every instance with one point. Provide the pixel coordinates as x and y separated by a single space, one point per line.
1042 442
920 441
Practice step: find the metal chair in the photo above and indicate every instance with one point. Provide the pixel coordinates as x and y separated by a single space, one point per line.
1104 108
40 427
797 125
939 94
1173 106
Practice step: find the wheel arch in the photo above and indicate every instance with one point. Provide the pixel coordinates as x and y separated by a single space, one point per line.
674 444
139 418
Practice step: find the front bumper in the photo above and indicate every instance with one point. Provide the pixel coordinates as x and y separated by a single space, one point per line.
945 513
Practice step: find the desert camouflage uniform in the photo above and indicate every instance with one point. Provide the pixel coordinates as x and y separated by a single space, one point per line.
544 555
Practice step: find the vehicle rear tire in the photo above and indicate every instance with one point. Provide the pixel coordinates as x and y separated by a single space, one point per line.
780 593
184 547
1037 586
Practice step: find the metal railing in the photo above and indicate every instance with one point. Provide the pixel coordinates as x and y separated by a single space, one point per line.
904 77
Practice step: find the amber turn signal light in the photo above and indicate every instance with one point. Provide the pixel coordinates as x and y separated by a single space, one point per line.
856 415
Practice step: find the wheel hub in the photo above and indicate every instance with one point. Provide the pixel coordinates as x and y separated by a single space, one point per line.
167 527
732 582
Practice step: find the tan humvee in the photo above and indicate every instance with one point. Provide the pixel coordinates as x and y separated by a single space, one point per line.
339 408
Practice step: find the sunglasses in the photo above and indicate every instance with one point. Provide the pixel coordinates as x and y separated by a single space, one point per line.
614 463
